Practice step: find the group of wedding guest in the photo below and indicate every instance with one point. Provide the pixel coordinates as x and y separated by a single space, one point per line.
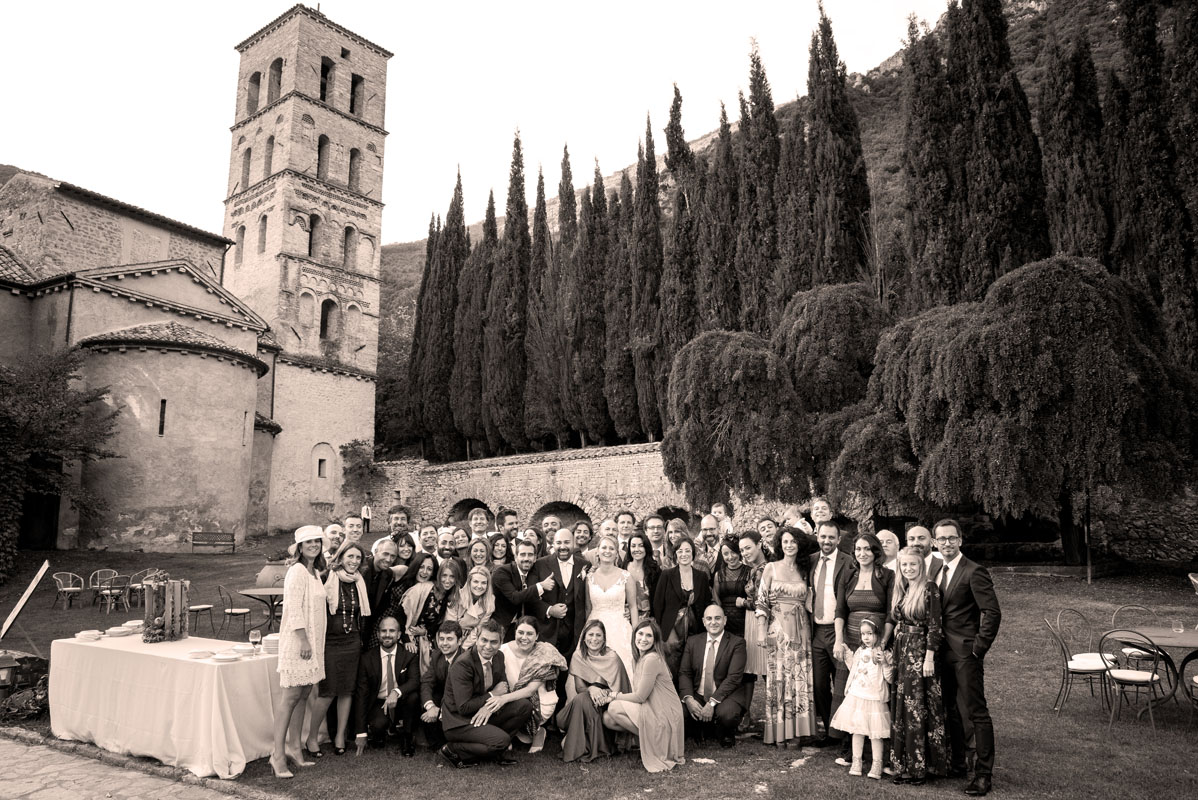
475 637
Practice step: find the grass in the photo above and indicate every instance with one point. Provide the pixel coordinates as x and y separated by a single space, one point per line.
1039 754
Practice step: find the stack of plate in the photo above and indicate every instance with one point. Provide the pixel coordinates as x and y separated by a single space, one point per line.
225 655
270 644
200 654
90 636
133 624
243 649
119 630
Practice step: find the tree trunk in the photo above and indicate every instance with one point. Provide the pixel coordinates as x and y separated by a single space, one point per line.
1072 537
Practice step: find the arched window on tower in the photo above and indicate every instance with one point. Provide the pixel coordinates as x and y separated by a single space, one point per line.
274 80
313 236
355 169
357 94
327 69
262 234
239 248
251 95
268 158
349 252
322 157
330 320
245 168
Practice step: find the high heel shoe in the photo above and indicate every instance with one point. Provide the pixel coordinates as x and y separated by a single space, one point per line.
339 750
286 773
308 751
538 742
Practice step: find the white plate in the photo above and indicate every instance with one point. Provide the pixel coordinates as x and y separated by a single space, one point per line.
243 649
200 654
119 632
133 623
226 657
88 637
90 633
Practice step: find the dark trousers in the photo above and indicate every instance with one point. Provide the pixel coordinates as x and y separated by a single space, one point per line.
401 720
434 734
970 730
823 673
489 741
365 526
725 719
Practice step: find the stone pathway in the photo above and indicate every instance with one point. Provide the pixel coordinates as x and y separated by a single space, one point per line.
37 772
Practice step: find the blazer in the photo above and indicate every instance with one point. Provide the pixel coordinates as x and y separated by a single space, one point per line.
370 680
883 586
511 598
561 633
432 680
729 670
466 689
668 597
970 611
844 563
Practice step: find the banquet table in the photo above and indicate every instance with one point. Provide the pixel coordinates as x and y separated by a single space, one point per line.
1166 638
142 699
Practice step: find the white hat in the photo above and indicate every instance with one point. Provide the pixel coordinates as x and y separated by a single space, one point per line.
307 533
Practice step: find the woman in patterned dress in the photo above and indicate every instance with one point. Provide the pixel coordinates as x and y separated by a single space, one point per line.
638 560
785 632
301 644
917 744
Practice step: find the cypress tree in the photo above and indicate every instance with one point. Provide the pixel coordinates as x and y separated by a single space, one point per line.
796 231
466 382
507 307
1151 245
437 328
679 320
679 157
413 409
757 219
840 190
619 374
717 291
588 336
1004 223
543 348
1075 179
646 284
932 172
566 303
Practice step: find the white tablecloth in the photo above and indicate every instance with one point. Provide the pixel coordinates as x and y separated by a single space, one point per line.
152 700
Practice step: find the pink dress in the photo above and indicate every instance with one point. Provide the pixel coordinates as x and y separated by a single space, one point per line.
661 727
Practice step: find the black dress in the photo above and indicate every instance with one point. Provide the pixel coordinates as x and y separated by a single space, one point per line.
730 585
342 644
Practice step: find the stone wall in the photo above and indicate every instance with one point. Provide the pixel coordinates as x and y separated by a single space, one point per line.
1146 530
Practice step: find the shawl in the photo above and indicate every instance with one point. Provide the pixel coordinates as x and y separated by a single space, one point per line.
332 591
542 664
605 671
413 601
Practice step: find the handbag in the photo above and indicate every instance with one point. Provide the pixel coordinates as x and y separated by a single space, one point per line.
679 631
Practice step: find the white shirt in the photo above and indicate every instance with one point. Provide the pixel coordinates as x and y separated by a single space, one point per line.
703 667
365 512
828 590
927 560
948 569
567 568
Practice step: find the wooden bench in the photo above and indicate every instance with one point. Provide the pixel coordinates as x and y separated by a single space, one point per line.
214 539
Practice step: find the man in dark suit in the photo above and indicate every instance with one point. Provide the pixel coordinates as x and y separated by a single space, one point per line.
377 572
561 609
516 590
971 620
477 719
827 568
388 691
711 679
432 681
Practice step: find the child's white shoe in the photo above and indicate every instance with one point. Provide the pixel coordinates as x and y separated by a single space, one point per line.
856 768
875 772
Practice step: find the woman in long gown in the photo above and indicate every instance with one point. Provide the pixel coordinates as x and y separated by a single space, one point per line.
785 633
652 709
301 644
596 673
531 668
611 599
917 744
643 567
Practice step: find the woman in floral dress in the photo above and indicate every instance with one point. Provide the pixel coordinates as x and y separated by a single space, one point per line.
917 744
785 632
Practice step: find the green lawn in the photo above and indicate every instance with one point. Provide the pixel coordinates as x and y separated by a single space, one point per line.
1039 754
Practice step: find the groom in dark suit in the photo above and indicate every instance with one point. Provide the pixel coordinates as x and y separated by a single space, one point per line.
561 610
711 679
971 619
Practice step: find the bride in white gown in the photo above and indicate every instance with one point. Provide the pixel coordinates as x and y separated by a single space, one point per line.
611 599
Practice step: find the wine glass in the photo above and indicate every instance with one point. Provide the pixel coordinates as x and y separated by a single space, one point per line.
256 640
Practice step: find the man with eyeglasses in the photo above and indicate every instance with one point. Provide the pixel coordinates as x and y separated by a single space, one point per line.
971 619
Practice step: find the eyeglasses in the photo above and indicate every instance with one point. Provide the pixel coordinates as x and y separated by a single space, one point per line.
947 539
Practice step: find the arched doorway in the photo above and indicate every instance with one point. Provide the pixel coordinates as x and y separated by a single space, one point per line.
568 513
677 512
460 512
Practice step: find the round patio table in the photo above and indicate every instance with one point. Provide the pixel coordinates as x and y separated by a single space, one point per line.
1165 637
271 597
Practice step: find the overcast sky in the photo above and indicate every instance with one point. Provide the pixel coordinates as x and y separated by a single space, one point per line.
135 99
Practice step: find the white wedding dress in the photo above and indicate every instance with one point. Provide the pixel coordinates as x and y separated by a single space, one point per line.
611 608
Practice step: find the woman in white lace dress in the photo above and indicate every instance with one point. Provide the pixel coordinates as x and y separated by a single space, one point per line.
611 599
301 645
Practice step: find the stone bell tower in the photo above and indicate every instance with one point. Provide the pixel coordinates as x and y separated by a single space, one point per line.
304 210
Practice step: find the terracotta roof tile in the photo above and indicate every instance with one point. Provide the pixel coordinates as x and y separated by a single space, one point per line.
11 268
169 333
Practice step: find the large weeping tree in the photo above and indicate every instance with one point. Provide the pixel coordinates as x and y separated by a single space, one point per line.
1054 384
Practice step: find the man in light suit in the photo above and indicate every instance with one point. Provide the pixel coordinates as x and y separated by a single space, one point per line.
711 679
387 693
477 721
827 567
971 619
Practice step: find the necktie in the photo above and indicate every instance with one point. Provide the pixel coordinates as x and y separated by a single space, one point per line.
487 675
944 579
707 684
389 678
819 588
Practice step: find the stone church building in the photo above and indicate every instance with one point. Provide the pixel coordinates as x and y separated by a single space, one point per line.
241 361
